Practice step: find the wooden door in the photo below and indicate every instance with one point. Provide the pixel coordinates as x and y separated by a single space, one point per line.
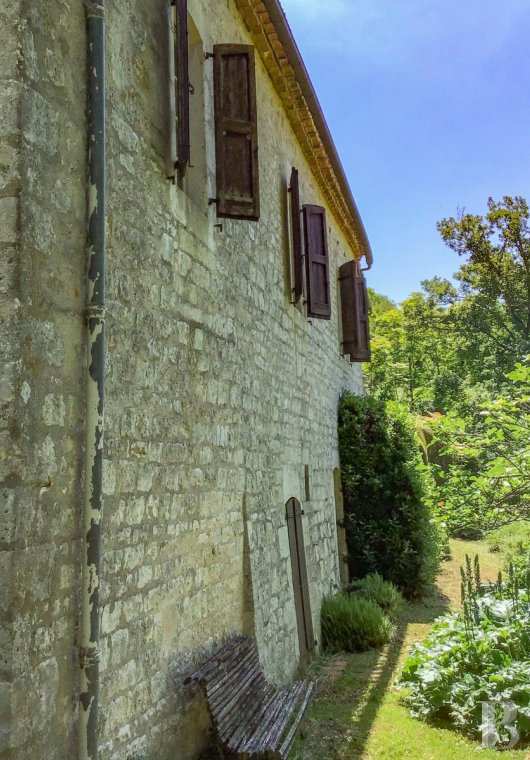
342 546
302 603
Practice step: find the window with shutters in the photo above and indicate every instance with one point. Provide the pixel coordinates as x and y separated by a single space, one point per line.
297 256
309 265
317 262
189 105
181 84
354 308
236 132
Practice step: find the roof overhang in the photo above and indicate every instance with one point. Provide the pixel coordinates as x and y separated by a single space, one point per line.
273 38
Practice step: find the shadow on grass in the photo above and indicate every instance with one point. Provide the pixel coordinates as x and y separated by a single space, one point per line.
341 717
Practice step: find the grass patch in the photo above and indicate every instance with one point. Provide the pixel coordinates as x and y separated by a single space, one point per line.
360 716
449 579
510 540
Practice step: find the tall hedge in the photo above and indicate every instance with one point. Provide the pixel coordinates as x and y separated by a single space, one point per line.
388 525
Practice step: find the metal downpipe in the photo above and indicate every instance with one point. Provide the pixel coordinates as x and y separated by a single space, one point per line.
93 501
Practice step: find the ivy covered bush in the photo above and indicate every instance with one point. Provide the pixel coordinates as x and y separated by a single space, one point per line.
388 524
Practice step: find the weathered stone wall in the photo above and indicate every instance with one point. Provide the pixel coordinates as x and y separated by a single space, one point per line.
42 189
219 392
9 346
233 391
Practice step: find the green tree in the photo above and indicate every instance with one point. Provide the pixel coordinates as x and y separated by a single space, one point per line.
413 355
379 304
386 376
450 346
495 278
488 483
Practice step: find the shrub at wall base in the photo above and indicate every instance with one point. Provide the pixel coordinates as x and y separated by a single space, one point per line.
388 525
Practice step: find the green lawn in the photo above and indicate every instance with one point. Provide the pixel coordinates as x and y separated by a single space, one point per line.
359 716
510 539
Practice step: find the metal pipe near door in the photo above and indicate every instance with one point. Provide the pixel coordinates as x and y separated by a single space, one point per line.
93 501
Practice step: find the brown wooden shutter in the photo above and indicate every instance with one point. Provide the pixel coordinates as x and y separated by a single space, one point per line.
236 132
317 262
296 227
182 84
354 307
302 602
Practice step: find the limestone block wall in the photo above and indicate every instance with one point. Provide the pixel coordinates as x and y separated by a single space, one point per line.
9 347
42 217
219 391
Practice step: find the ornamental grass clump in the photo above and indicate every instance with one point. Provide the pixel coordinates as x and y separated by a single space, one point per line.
353 624
374 588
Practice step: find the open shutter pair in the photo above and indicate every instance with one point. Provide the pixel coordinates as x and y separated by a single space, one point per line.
354 304
182 83
316 254
236 126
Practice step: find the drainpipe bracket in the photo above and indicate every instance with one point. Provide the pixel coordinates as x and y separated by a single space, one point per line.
89 656
96 311
94 10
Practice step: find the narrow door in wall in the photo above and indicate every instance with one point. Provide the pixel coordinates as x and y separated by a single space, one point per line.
341 530
300 583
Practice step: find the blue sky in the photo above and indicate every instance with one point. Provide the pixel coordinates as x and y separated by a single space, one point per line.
429 106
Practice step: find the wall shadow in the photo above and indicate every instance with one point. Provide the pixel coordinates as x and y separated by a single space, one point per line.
340 720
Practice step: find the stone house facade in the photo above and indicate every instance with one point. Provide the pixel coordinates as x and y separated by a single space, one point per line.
221 389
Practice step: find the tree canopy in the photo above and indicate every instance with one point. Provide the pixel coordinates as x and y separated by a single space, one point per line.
447 345
462 349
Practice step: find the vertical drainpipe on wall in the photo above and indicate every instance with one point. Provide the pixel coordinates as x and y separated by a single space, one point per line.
93 502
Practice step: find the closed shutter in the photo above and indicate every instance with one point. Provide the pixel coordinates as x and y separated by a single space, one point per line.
236 132
182 84
306 638
296 227
317 263
354 307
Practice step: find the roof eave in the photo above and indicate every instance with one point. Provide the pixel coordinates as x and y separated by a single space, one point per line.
260 16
